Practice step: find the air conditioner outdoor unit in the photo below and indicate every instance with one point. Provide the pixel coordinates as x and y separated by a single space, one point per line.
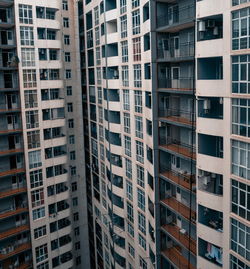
201 26
206 104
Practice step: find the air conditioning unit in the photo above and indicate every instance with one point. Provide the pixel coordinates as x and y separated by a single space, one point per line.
206 180
183 231
206 104
201 26
210 23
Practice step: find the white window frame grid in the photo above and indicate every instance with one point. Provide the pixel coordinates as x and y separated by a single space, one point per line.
142 241
25 14
125 76
28 57
98 56
139 127
130 212
143 263
127 125
100 113
99 95
137 49
124 26
99 75
136 21
96 15
38 213
101 133
126 100
142 222
141 199
37 197
30 116
30 98
140 175
123 6
137 75
36 178
131 230
138 101
40 231
127 145
65 5
128 168
26 36
124 49
135 3
97 36
129 190
29 78
131 250
140 151
41 253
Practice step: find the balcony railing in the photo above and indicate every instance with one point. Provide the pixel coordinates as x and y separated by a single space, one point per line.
181 236
178 115
14 249
12 190
177 206
181 178
176 16
175 256
185 50
184 149
13 210
182 84
14 231
12 172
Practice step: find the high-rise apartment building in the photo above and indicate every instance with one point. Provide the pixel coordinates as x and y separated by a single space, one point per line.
124 134
167 85
42 189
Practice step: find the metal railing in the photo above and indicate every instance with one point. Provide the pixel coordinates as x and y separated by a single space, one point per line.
179 144
178 113
180 83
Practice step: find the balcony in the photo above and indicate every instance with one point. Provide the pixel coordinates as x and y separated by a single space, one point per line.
181 178
12 190
210 145
211 107
178 116
14 231
175 18
12 211
178 147
10 152
6 3
182 52
180 234
13 249
175 256
182 85
179 207
10 171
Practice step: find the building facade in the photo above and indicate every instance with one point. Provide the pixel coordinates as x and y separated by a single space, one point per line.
43 197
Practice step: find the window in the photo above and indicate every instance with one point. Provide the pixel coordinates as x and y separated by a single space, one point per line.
240 71
141 222
72 139
96 15
35 159
129 190
130 212
32 119
66 40
27 36
138 101
138 127
143 263
241 117
53 54
240 238
124 26
136 22
41 253
40 231
99 94
241 159
66 22
98 56
139 152
123 6
125 76
76 216
127 145
67 74
126 100
73 170
30 98
29 78
236 263
99 75
137 48
126 117
141 199
124 46
131 229
67 57
33 138
28 57
75 201
25 14
70 107
97 38
38 213
140 175
240 29
128 165
74 186
69 90
135 3
65 5
137 75
131 250
36 178
44 265
71 123
72 155
142 242
241 199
